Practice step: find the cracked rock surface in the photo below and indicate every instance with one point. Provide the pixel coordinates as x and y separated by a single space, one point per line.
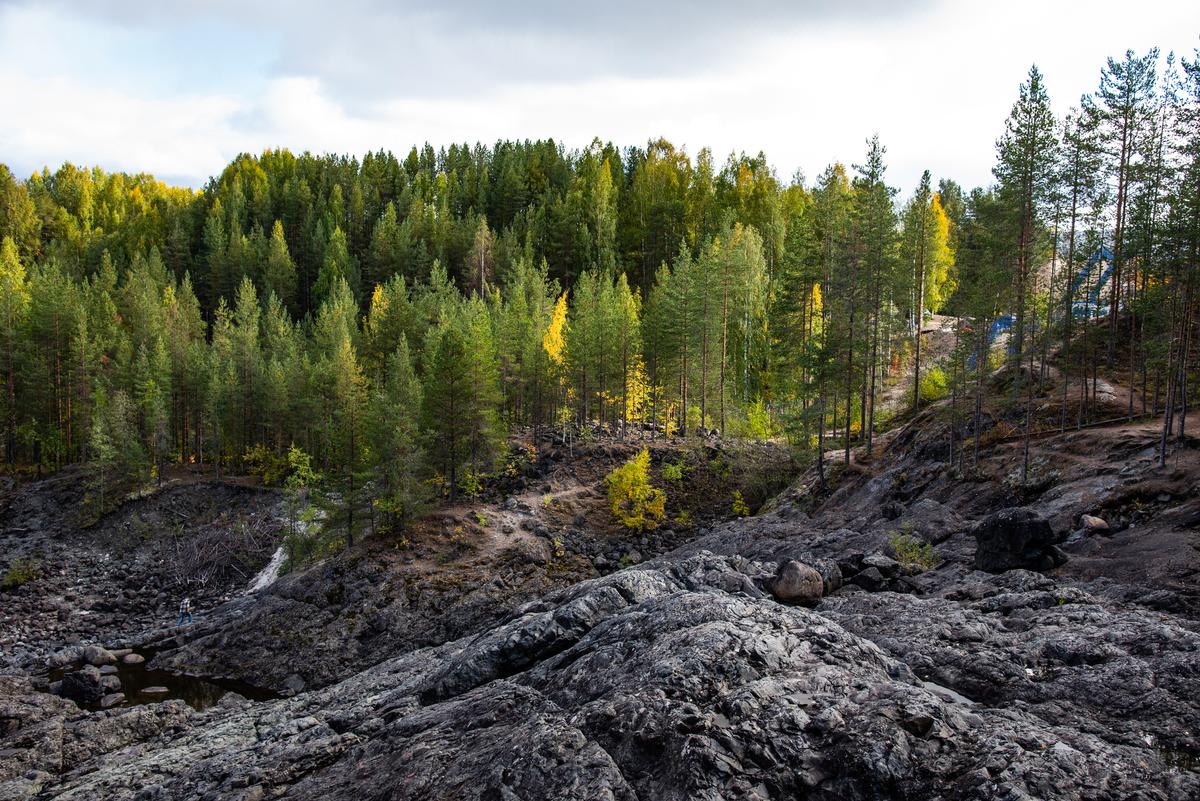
682 680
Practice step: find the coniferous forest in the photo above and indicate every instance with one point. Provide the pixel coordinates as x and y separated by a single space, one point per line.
388 320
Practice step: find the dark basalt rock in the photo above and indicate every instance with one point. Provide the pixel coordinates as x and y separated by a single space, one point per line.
871 580
677 679
1016 538
674 681
82 686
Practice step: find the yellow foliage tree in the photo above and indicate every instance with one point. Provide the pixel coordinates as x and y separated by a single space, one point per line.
635 502
941 257
554 340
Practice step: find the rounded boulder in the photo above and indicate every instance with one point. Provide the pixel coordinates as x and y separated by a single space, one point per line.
797 583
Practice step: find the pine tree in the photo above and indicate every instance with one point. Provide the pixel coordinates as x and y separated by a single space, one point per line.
1124 102
925 251
14 308
396 454
1025 169
390 319
482 260
1079 169
461 398
345 429
338 265
834 353
875 223
523 319
386 254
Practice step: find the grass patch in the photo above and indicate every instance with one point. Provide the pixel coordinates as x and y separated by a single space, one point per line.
912 551
19 573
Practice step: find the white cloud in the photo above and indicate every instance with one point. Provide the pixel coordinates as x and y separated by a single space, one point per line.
129 89
185 138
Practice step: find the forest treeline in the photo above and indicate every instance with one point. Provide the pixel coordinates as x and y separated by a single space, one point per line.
393 318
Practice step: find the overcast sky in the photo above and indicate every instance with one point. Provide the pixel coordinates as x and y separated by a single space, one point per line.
179 88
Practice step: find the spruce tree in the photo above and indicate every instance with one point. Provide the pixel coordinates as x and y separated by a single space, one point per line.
279 272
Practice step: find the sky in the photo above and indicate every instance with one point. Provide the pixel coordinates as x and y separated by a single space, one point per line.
179 88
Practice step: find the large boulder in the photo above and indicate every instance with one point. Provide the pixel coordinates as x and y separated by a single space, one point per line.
95 655
82 686
1016 538
932 521
797 583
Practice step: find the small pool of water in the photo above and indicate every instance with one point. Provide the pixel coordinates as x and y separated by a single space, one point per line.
198 692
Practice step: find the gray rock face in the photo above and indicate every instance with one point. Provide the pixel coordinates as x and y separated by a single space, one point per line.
680 680
1015 538
797 583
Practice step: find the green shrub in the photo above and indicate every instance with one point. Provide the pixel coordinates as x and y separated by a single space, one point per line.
470 484
912 551
758 421
672 472
933 385
262 461
721 468
20 572
635 502
310 537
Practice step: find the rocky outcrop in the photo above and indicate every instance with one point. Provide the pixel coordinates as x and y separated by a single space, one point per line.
1016 538
696 674
682 680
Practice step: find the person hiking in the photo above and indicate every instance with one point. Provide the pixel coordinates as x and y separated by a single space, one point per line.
185 612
